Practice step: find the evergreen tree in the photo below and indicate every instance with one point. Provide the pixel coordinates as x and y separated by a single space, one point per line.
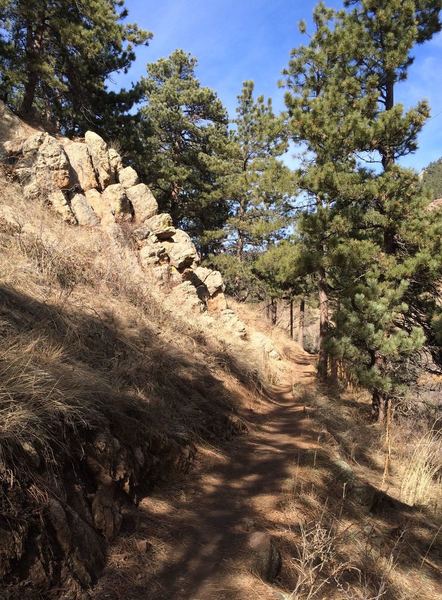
380 246
56 55
397 290
258 185
324 104
258 189
185 151
286 269
432 179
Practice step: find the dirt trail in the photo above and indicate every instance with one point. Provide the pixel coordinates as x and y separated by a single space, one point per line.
201 527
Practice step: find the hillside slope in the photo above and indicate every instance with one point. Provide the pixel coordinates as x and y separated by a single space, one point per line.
108 377
149 435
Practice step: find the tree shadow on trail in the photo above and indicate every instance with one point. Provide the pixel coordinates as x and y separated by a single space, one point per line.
206 527
197 529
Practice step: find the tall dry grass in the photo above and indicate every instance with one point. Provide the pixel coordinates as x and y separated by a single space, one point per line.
422 471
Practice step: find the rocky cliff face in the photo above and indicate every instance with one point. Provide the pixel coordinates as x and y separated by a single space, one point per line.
86 183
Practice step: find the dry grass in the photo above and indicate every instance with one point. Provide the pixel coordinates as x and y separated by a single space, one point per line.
81 322
352 538
421 479
88 346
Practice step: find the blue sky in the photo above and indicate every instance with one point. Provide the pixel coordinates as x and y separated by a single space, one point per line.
235 40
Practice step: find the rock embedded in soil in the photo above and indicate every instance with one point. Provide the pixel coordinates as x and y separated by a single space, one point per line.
115 197
83 211
265 558
161 225
61 206
82 170
98 151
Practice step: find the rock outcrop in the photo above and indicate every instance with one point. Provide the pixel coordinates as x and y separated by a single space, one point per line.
86 183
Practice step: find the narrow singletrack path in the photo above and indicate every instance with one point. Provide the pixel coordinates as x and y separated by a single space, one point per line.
201 526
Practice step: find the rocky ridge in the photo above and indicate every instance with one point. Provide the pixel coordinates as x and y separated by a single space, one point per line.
87 184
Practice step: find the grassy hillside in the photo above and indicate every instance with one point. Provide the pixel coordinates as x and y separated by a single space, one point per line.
104 392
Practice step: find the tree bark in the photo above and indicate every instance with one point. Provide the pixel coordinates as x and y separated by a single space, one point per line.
301 324
323 326
380 401
34 50
291 318
379 406
273 311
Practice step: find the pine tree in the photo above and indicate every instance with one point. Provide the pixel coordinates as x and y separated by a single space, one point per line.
324 104
258 188
258 185
56 56
285 268
381 245
396 294
185 150
432 179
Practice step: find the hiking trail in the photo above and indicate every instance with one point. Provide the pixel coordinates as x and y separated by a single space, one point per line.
197 529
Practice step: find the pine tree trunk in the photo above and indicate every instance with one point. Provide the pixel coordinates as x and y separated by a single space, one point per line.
241 242
333 371
379 406
34 50
323 326
301 324
386 153
291 318
273 311
379 400
29 95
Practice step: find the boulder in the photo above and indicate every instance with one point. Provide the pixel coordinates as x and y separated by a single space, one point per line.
153 252
120 206
264 557
217 302
82 170
14 147
83 211
143 201
211 279
186 295
166 275
97 148
33 143
100 206
44 166
115 161
128 177
161 225
61 206
52 165
106 511
142 233
181 250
